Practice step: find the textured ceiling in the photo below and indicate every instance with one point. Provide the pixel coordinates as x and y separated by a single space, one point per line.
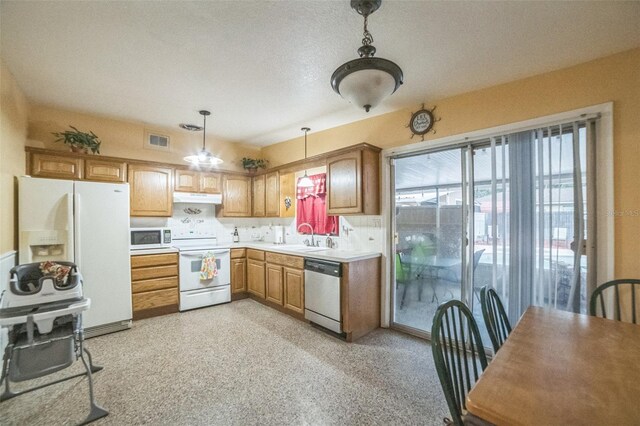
263 67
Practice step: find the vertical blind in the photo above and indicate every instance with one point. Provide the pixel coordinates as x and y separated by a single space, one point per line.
538 217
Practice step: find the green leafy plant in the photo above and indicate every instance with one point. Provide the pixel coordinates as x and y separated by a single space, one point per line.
79 141
254 164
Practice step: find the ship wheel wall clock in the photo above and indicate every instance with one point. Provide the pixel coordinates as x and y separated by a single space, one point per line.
422 122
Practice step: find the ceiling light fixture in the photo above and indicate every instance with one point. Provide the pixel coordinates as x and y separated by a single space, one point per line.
190 127
305 181
366 81
204 157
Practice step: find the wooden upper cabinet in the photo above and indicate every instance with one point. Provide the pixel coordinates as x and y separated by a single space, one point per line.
210 183
353 182
287 189
236 196
202 182
187 181
272 194
55 166
258 209
105 170
151 190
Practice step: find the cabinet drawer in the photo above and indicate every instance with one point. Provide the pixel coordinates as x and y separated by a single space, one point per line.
154 260
155 299
255 254
155 284
154 272
238 253
286 260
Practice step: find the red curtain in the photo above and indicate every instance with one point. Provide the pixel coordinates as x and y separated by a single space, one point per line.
311 208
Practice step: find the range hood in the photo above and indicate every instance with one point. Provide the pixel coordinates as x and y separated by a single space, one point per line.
186 197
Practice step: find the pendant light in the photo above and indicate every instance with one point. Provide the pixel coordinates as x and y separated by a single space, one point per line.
366 81
204 157
305 181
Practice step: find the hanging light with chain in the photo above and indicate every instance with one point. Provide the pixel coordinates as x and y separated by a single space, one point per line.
203 157
366 81
305 181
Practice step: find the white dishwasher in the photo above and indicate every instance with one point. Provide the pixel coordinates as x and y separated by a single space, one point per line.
322 293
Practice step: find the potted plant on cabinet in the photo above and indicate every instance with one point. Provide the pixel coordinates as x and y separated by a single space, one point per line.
79 141
252 165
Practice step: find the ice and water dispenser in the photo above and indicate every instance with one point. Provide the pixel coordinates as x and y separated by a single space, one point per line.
40 246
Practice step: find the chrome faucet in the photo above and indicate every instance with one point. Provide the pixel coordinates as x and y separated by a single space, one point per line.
329 242
311 228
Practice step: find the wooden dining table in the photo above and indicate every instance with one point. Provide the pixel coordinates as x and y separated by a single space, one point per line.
561 368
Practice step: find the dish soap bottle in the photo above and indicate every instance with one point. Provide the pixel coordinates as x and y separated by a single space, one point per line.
236 237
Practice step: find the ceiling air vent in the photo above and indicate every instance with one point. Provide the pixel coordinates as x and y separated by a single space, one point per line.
156 141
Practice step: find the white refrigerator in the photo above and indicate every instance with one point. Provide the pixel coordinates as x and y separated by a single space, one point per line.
86 223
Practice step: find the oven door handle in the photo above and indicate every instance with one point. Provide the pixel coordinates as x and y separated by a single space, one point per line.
201 254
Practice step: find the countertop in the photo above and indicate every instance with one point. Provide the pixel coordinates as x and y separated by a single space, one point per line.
336 255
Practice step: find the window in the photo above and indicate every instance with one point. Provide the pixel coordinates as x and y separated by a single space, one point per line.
311 208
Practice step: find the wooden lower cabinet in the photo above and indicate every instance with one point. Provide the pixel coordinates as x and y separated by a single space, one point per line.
274 284
238 275
154 285
294 289
360 297
256 278
285 281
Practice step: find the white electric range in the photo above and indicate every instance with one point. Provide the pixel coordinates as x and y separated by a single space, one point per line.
194 292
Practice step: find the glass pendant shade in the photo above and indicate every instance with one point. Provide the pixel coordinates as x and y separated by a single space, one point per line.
305 181
366 88
204 157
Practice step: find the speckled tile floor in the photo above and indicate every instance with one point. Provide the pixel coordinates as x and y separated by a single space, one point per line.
243 363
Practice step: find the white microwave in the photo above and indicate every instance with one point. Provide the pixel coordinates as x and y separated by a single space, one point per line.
150 238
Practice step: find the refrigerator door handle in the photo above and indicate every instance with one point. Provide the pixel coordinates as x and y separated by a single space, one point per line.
70 229
76 232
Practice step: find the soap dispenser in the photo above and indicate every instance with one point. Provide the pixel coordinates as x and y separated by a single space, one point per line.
236 237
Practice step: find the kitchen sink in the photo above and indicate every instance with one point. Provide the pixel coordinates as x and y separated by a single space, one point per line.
298 247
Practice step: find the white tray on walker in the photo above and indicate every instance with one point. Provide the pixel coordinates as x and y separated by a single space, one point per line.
56 345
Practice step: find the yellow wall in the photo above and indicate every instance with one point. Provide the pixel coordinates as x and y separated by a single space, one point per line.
126 138
13 134
614 78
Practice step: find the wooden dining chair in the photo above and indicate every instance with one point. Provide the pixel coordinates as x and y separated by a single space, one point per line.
628 288
495 317
458 355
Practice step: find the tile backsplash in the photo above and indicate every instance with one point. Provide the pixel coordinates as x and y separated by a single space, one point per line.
199 220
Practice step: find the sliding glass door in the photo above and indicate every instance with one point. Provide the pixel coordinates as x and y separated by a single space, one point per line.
430 229
509 212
